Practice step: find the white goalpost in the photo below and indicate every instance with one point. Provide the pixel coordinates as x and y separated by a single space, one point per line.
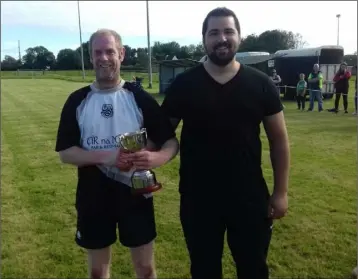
33 73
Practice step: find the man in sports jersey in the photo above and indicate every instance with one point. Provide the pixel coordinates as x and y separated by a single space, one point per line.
221 181
91 122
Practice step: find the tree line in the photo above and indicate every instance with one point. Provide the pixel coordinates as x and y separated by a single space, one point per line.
41 58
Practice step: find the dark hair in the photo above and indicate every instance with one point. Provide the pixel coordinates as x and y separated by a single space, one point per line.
218 12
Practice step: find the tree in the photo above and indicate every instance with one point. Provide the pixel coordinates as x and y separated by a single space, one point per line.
271 41
68 59
350 59
183 53
162 50
130 56
10 63
199 51
142 54
134 56
38 57
86 56
250 43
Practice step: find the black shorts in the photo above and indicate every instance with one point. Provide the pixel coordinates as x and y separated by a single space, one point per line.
104 207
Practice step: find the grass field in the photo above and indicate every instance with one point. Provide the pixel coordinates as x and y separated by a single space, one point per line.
76 76
317 239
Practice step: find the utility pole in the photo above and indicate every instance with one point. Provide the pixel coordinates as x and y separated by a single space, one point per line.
338 17
149 50
79 27
18 46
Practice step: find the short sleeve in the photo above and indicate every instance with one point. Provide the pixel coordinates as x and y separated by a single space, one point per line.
68 133
157 124
173 103
272 103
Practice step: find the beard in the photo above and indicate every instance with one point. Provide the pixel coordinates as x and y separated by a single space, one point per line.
223 58
106 74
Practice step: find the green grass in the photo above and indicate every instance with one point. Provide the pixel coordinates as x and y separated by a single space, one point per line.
76 76
316 239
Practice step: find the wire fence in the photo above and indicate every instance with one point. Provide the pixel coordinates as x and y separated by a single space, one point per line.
37 73
285 89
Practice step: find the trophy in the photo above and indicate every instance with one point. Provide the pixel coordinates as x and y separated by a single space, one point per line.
143 181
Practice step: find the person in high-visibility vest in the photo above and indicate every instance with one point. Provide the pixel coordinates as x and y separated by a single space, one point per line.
315 84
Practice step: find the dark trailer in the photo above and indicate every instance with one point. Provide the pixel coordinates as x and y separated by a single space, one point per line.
290 63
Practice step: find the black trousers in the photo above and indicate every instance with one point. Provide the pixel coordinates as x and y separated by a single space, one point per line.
345 100
301 101
204 224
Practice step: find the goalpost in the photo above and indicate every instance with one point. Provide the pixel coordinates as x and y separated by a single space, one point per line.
33 73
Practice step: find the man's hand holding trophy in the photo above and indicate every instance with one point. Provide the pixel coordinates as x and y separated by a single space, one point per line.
134 154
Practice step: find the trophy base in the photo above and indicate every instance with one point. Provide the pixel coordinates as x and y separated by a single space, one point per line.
147 190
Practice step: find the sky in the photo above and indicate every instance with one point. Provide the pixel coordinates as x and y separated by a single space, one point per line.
54 24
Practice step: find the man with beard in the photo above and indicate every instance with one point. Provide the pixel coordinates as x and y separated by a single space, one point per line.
222 104
91 122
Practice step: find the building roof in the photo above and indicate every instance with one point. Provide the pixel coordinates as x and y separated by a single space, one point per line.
178 63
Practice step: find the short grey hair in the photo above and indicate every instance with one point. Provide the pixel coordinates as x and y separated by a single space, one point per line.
104 31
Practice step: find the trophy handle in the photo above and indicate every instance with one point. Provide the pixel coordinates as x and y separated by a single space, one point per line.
121 139
132 176
143 131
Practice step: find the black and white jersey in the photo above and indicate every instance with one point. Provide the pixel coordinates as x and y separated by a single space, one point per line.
94 119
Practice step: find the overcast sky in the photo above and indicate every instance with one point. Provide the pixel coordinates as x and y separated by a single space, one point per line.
54 24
